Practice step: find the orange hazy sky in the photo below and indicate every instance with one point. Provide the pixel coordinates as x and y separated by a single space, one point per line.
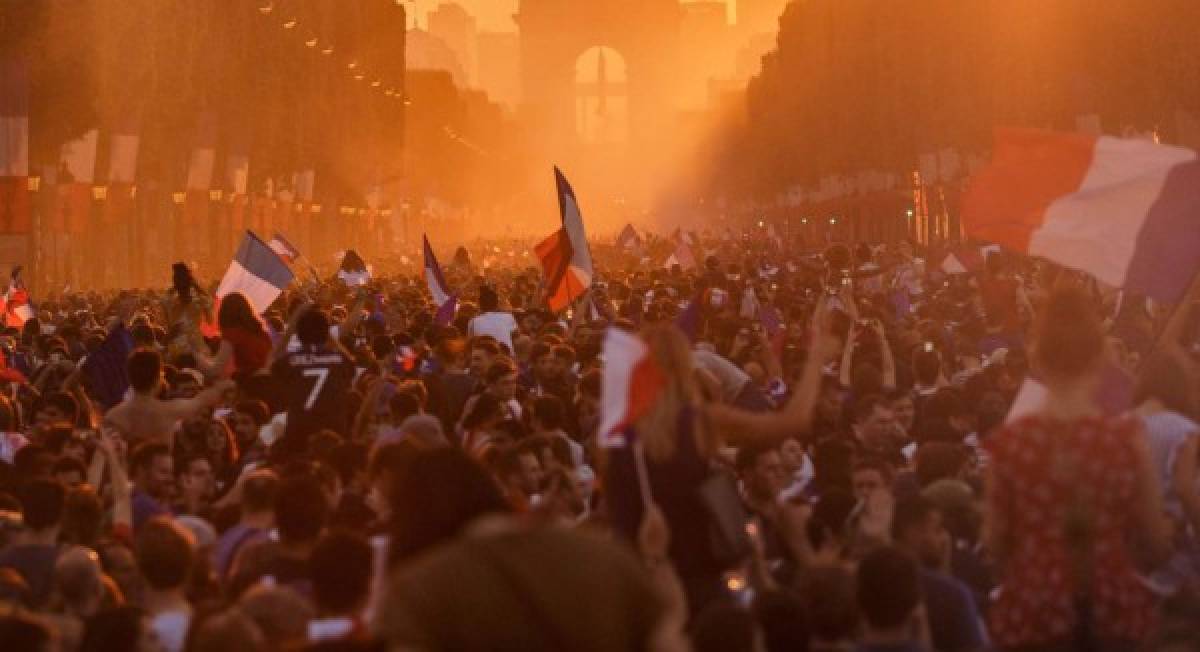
493 15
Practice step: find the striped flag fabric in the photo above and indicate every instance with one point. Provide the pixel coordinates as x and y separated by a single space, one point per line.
285 249
565 256
632 383
446 302
105 367
1126 211
123 146
353 270
629 240
18 308
257 272
682 256
15 202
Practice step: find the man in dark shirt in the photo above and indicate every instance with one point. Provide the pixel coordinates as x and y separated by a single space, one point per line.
301 512
315 381
889 598
153 482
954 620
36 549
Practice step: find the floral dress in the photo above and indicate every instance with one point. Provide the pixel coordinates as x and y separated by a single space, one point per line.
1066 489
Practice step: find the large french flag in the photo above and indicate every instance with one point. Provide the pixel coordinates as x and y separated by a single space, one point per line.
1126 211
565 256
257 272
446 302
632 384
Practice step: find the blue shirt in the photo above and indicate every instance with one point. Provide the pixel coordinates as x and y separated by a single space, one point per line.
145 508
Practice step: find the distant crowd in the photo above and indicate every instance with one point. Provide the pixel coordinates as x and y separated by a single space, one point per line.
857 447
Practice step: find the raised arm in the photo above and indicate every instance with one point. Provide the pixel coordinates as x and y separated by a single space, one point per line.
741 426
354 316
279 349
214 366
845 369
186 407
367 410
122 499
887 360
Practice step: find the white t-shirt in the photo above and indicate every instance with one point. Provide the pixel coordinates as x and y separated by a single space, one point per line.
499 325
170 629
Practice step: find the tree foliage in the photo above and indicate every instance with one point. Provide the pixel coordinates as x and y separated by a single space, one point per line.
872 84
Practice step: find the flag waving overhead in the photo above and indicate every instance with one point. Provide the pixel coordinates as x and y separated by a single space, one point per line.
682 256
629 239
565 257
446 302
1125 211
353 271
18 308
632 383
257 273
285 249
105 367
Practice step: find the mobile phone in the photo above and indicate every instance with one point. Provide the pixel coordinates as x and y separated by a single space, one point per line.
739 588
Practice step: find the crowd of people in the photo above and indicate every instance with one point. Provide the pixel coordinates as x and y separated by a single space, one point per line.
845 455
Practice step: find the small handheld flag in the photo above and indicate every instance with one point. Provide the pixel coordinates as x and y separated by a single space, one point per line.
281 246
257 272
446 302
18 308
629 240
565 257
632 384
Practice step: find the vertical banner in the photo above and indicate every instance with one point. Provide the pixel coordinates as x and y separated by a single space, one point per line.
77 173
237 180
15 204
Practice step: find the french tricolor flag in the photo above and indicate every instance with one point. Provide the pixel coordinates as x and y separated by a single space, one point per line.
285 249
565 256
632 383
257 272
1126 211
446 302
18 308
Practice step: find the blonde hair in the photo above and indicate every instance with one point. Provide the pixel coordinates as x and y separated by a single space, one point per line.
658 429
